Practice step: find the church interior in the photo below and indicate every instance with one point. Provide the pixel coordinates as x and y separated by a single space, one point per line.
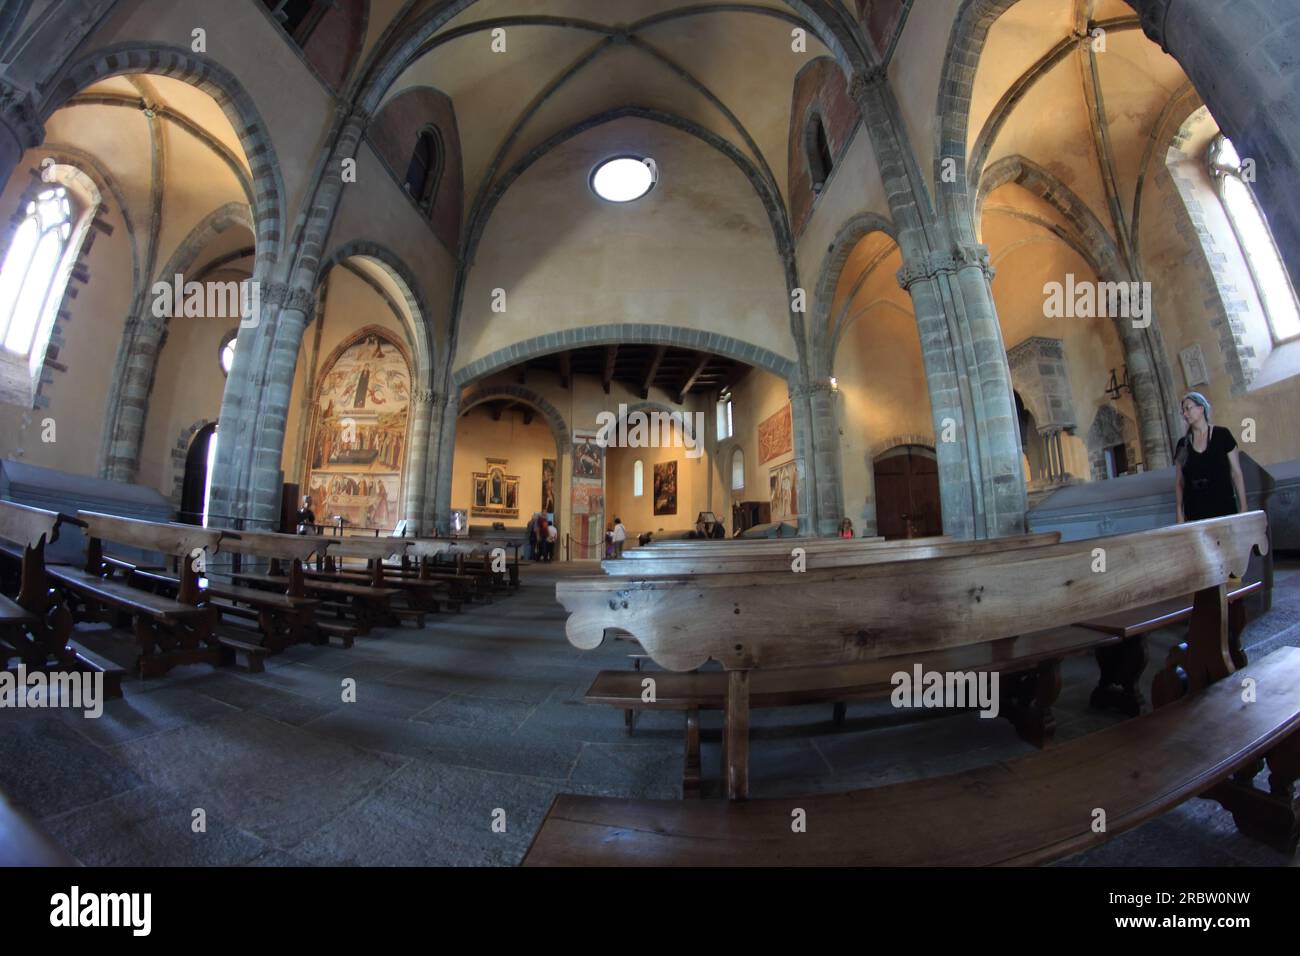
470 371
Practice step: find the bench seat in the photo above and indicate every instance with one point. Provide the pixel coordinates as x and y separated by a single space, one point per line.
1026 811
15 615
124 596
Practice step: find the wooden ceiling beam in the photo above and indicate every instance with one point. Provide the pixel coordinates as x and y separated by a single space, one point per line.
652 369
690 379
611 356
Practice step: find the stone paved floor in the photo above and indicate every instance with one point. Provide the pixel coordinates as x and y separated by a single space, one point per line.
478 712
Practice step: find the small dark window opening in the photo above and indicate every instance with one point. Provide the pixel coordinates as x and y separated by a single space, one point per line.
819 153
425 168
1116 461
298 17
196 476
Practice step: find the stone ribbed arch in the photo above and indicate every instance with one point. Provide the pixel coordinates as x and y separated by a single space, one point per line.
205 74
846 240
126 410
1143 348
560 429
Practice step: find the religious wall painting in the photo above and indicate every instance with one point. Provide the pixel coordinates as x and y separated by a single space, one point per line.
666 488
783 487
548 486
588 496
360 433
496 494
775 436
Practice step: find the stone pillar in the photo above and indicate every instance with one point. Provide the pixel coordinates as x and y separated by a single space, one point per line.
255 407
20 128
445 461
823 490
1240 56
417 454
141 343
801 420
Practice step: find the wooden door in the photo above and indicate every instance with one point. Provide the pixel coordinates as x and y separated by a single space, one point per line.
907 496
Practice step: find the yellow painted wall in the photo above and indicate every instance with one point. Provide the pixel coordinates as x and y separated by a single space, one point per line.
479 437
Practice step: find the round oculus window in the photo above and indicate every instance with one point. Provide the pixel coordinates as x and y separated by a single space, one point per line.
623 179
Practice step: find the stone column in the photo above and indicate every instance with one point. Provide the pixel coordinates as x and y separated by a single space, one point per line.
417 456
446 455
255 407
823 491
20 128
1240 56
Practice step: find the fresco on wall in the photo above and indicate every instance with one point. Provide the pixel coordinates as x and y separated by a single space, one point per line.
358 443
775 436
783 485
588 497
548 486
666 488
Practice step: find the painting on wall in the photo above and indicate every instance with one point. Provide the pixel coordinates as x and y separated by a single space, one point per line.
359 435
783 483
666 488
588 459
775 436
496 494
548 486
588 496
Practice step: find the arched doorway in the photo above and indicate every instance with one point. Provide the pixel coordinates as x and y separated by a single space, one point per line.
197 485
907 493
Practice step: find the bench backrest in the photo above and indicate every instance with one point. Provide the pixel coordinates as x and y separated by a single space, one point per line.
271 544
761 544
841 554
26 526
864 612
177 540
373 549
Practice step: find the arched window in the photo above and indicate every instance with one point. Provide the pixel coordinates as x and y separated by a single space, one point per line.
818 150
425 168
227 354
32 278
738 471
638 478
1276 293
298 17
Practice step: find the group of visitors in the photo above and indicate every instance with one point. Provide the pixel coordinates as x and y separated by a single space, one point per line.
542 538
615 535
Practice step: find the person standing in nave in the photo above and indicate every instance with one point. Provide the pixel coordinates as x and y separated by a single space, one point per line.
1208 480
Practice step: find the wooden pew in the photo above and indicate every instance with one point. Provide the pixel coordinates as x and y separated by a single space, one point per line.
34 627
377 604
284 616
777 555
1035 809
169 631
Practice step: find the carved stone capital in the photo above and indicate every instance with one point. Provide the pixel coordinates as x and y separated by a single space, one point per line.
807 389
424 397
18 112
300 300
936 264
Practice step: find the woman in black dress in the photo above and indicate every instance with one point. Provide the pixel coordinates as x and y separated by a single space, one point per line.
1208 466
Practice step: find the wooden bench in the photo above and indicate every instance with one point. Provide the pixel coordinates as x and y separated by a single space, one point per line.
1210 743
1026 811
169 631
34 627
